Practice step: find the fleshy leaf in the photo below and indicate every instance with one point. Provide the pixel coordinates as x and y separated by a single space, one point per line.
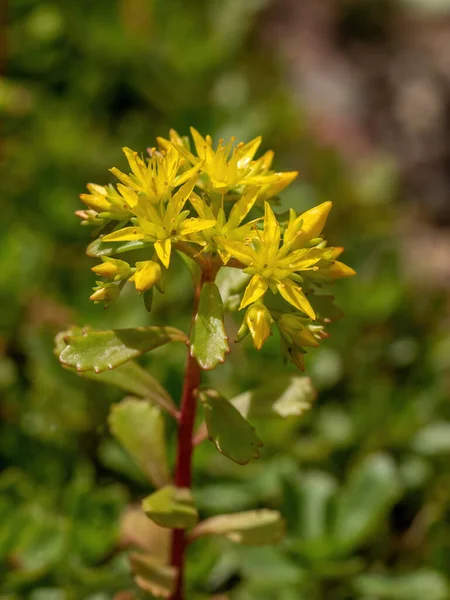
423 583
139 427
153 576
230 432
208 340
285 397
130 376
171 507
101 350
98 248
250 528
368 494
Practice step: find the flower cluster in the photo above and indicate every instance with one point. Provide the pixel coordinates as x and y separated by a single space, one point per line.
214 204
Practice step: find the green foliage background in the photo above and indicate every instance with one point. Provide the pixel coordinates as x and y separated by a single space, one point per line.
363 480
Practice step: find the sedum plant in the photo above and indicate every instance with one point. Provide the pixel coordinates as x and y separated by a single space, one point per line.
214 207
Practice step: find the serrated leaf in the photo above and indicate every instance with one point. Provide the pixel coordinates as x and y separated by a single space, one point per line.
423 584
171 507
139 427
97 248
368 494
230 432
208 340
101 350
130 377
285 397
250 528
152 575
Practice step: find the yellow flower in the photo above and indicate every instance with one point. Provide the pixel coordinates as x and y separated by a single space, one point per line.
228 229
147 274
279 267
231 165
155 177
258 320
162 224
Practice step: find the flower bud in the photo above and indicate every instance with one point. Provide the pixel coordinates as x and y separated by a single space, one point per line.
106 293
147 274
113 269
293 354
258 320
294 329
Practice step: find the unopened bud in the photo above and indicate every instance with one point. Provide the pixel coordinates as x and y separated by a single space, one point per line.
147 274
106 293
294 329
113 269
258 320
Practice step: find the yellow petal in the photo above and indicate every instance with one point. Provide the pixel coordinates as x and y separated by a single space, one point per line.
203 210
246 152
96 202
255 289
245 254
242 207
130 196
258 320
124 235
271 230
178 201
294 295
313 221
339 270
146 275
200 142
163 249
283 180
193 225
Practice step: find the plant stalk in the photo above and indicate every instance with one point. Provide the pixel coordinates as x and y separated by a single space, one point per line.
185 447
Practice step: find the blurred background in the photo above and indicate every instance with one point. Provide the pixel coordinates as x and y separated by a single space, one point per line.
356 97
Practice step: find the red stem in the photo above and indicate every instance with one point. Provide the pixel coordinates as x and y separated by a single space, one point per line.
185 447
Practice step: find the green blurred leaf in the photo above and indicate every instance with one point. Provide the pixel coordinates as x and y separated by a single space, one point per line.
171 507
285 397
363 502
433 440
153 576
230 432
101 350
208 340
139 427
250 528
423 584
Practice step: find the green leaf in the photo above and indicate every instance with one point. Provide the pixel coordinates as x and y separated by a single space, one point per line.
153 576
98 248
364 500
231 433
130 376
171 507
419 585
101 350
433 440
231 283
139 427
208 340
285 397
250 528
